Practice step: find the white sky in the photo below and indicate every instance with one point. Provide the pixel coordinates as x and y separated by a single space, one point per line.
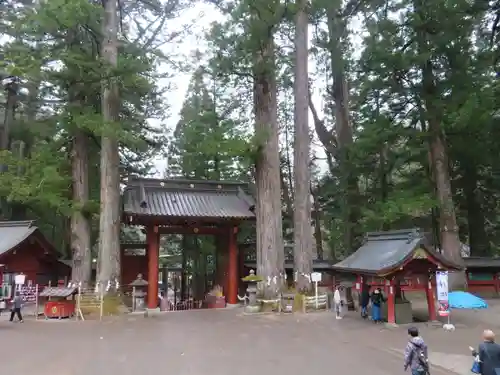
201 16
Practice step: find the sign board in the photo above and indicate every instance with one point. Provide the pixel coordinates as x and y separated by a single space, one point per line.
442 293
20 279
316 277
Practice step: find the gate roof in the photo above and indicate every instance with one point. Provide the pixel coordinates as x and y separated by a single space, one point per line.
187 199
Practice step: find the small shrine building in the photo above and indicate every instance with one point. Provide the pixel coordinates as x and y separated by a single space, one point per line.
483 275
25 250
396 261
188 207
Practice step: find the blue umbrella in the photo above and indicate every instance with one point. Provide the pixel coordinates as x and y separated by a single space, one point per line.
464 300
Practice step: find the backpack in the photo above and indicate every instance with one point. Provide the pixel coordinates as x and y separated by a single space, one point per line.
422 359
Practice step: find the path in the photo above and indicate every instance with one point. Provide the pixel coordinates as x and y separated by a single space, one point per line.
203 343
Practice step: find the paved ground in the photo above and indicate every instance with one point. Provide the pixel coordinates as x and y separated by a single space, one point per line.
222 342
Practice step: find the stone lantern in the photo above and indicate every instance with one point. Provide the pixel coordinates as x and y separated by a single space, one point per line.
139 286
252 280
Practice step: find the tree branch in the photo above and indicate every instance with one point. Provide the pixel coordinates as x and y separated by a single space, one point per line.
326 137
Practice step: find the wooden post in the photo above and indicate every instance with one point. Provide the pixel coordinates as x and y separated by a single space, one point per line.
431 304
153 241
495 282
232 268
391 303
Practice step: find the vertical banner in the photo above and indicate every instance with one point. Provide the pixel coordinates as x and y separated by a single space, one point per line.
442 293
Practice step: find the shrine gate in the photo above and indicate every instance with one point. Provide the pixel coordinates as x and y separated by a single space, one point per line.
188 207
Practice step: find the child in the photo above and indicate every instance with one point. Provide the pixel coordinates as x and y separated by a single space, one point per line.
416 354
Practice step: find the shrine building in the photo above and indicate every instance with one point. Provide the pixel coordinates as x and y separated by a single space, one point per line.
188 207
397 261
25 250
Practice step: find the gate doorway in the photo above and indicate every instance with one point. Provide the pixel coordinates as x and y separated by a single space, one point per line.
191 212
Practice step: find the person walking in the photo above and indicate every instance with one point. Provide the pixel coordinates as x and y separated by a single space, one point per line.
365 300
488 354
416 354
337 301
16 308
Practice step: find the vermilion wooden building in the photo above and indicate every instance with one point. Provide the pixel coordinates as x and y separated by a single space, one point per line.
482 274
188 207
396 261
24 249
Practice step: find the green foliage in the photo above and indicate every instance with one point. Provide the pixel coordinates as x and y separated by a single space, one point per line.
53 48
209 142
40 185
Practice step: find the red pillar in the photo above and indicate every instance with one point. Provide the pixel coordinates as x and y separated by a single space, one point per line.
431 305
232 268
495 282
391 303
153 241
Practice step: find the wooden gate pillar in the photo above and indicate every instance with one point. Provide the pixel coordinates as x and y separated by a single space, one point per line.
232 268
431 304
153 243
391 302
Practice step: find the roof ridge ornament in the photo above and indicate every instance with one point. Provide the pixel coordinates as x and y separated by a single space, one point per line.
413 235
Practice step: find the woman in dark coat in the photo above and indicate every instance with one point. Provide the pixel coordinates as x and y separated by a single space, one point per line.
489 354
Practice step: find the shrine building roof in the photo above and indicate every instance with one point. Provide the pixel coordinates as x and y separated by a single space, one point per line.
481 262
15 233
187 199
384 253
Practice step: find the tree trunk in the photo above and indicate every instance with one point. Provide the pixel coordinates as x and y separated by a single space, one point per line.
318 235
478 239
450 241
80 226
288 163
11 89
448 224
270 252
287 197
109 223
348 177
303 250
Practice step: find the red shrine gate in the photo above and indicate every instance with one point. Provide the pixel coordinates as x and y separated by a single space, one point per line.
188 207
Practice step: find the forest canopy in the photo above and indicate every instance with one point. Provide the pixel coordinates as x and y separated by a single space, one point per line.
345 116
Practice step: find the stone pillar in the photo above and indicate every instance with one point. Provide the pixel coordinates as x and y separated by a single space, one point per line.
431 304
391 302
153 241
232 268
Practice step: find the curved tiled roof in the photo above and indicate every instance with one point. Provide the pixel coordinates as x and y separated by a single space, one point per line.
187 199
384 252
13 233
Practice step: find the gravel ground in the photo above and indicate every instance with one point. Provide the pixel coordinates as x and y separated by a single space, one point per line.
208 342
